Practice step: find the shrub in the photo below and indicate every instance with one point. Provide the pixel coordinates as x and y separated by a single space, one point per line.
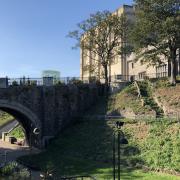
75 81
162 83
58 83
14 169
15 83
18 132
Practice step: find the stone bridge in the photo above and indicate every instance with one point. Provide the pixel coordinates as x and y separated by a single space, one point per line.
49 108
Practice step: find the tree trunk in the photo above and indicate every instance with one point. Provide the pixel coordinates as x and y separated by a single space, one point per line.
179 61
173 68
106 79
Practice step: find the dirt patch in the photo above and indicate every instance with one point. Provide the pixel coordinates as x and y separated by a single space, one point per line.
169 97
140 130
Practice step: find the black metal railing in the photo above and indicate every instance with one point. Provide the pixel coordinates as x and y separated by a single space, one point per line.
139 77
71 80
44 81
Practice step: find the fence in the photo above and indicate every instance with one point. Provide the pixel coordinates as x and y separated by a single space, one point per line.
45 81
48 81
139 77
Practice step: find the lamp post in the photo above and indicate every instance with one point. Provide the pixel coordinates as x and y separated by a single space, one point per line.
118 126
114 156
35 131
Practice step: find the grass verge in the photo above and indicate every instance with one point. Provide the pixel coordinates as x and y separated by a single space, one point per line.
5 118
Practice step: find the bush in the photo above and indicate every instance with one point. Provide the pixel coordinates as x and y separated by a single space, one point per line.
164 82
59 83
14 170
131 89
161 148
15 83
18 132
75 81
8 169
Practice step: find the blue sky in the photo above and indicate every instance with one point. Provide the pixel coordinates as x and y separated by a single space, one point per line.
33 34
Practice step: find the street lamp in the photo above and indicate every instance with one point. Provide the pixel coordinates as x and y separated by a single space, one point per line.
36 131
119 124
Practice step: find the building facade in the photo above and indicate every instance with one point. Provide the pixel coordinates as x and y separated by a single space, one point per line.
51 73
124 67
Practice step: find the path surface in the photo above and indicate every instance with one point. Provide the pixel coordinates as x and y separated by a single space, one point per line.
8 127
14 151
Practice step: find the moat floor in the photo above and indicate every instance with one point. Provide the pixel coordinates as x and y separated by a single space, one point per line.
13 151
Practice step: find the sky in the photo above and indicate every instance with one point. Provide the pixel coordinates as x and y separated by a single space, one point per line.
33 34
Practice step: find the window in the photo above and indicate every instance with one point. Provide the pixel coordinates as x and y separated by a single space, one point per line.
132 65
142 75
118 76
161 71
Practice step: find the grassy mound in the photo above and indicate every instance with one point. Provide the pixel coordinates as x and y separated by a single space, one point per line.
170 96
128 98
158 142
5 118
85 148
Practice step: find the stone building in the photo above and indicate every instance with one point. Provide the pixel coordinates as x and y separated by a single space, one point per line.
124 67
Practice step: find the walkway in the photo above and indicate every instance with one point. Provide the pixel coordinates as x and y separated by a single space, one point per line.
14 151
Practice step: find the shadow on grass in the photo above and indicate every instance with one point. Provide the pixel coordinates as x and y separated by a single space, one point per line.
85 149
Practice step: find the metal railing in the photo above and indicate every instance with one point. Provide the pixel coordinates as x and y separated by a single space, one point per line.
45 81
25 81
71 80
139 77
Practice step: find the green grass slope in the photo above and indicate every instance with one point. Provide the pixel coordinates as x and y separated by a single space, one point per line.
85 148
5 118
170 97
18 132
128 99
158 143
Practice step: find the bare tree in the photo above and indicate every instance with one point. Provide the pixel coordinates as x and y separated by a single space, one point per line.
102 34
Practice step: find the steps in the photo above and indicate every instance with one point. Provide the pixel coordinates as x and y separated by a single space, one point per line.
146 93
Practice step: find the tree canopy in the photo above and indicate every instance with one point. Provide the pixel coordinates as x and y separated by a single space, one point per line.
101 34
156 32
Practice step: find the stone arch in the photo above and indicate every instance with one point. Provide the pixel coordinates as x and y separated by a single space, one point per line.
26 118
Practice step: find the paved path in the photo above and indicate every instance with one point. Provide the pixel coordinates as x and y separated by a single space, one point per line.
14 151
